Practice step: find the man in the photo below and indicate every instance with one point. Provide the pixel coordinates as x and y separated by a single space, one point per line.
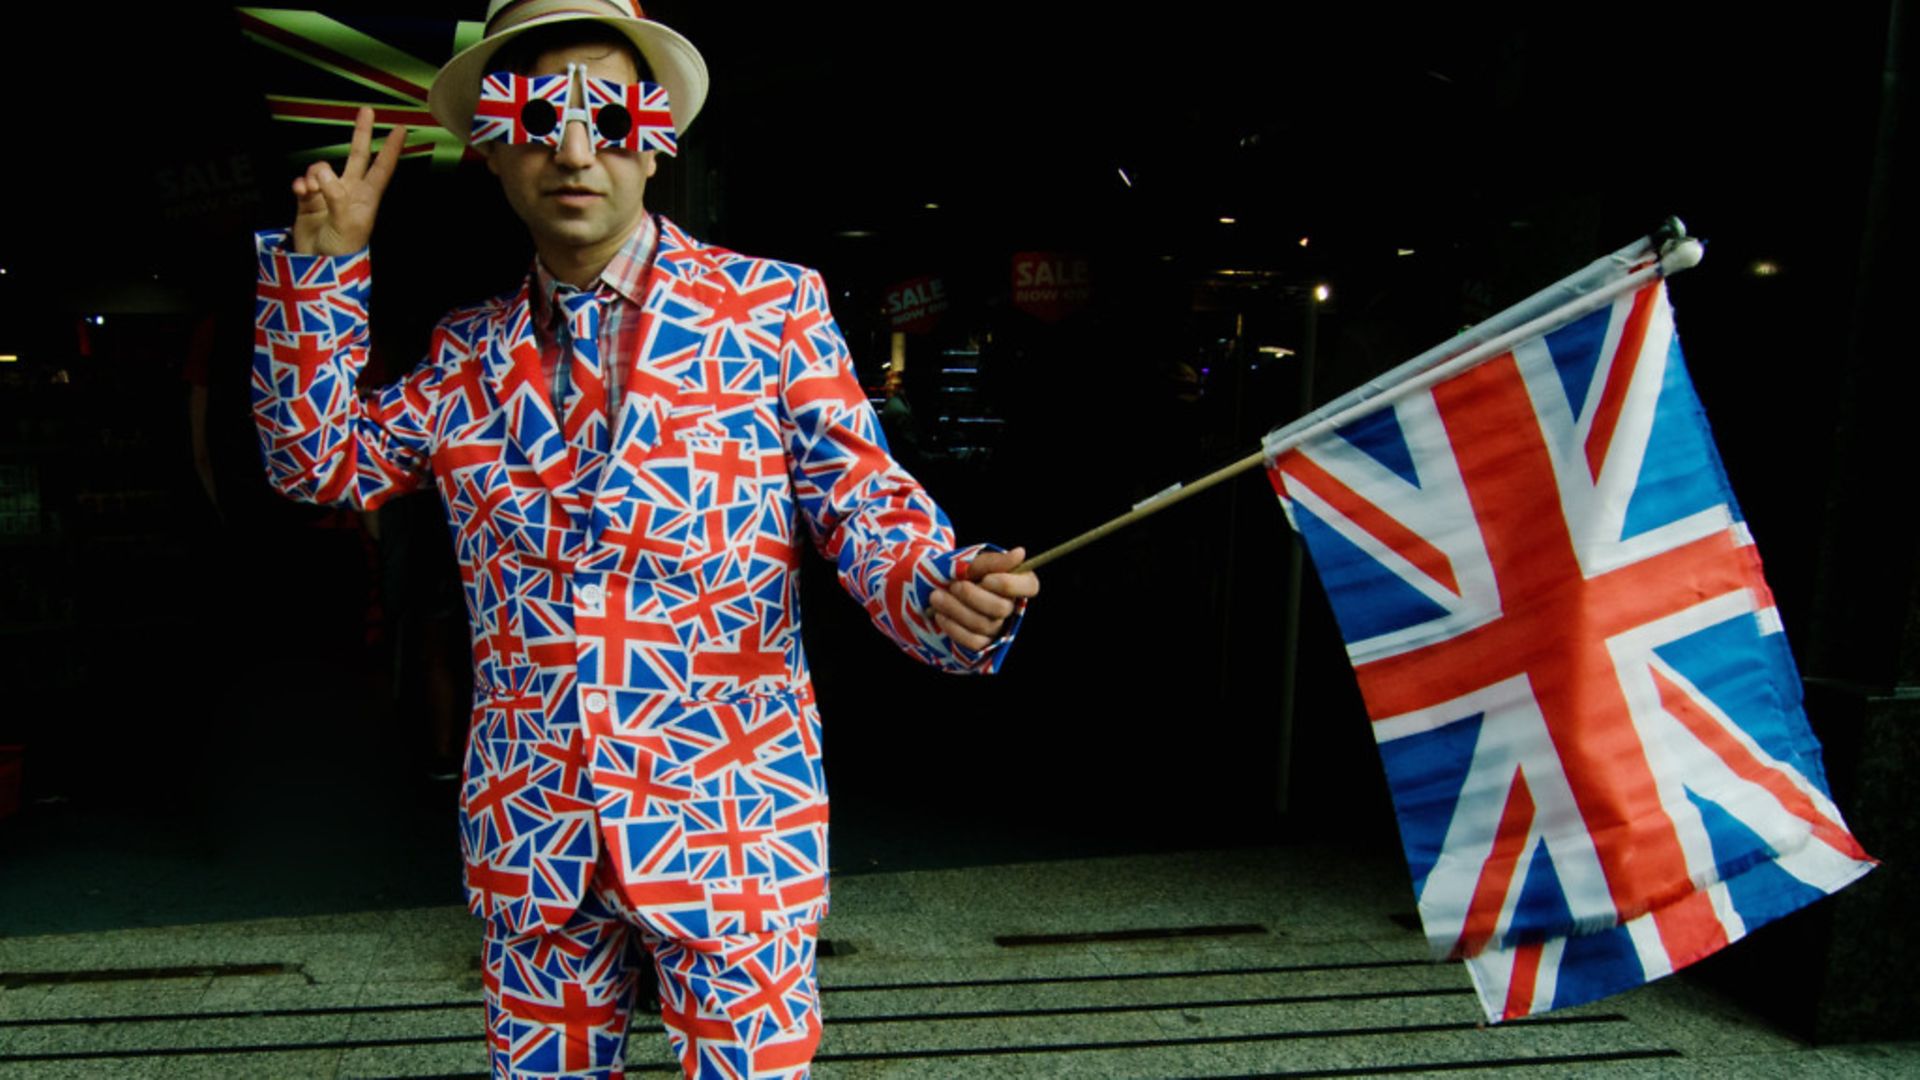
624 446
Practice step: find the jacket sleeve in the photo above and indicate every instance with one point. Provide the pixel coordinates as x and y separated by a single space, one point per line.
322 442
891 544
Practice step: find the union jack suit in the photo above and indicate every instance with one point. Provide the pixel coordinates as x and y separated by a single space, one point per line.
639 681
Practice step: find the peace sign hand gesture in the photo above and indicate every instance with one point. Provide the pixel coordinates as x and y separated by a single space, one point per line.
335 212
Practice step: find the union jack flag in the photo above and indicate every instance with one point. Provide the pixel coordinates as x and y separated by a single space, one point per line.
1589 718
646 104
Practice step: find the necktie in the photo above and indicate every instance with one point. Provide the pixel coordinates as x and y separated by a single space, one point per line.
584 411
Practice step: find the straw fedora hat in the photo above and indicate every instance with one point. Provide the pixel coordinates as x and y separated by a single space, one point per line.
675 62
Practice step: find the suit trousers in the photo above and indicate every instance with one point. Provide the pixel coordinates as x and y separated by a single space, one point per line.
741 1006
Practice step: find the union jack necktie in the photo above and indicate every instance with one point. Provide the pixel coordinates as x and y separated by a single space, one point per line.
584 408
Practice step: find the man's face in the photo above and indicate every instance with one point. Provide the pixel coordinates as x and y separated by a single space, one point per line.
580 206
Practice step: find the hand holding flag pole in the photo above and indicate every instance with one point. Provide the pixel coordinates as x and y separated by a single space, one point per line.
1667 251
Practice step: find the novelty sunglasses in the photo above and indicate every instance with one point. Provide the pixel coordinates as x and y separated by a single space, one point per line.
519 109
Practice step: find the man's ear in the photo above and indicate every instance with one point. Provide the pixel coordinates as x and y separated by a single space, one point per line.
650 161
486 151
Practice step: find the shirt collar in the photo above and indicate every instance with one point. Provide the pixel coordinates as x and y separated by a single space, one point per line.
625 275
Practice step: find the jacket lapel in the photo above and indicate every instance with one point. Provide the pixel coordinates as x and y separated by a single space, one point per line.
653 350
519 385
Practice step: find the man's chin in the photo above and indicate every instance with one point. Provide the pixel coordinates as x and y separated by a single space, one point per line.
572 233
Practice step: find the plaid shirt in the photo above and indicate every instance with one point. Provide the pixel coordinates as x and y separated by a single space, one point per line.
623 289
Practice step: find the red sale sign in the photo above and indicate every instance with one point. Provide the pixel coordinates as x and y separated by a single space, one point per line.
1051 285
915 305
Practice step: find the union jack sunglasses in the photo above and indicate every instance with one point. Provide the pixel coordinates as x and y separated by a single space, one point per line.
521 109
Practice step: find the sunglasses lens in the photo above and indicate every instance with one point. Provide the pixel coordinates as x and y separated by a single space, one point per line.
613 122
538 117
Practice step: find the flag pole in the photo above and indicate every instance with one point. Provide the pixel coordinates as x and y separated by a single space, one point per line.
1151 505
1662 254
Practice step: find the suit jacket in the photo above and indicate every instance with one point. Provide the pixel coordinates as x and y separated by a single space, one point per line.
639 681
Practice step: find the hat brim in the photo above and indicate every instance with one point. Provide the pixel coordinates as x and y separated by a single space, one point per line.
675 63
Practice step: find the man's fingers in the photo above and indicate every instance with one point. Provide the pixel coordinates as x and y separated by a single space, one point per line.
358 150
321 177
981 599
992 571
958 612
310 189
1015 586
960 634
993 562
389 159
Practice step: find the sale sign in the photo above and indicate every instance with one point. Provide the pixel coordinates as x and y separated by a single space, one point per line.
1051 285
915 305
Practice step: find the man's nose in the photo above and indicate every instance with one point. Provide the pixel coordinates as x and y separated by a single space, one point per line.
576 146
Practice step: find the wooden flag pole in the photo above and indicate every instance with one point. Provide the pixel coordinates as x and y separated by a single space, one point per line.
1152 505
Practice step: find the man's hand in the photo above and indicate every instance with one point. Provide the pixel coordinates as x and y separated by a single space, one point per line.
335 212
974 612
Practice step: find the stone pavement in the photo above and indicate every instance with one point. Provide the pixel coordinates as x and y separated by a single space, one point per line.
1252 962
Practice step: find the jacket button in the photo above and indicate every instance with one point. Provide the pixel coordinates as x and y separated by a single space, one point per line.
596 702
590 595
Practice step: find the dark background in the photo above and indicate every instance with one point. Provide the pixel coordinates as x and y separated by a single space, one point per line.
210 694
